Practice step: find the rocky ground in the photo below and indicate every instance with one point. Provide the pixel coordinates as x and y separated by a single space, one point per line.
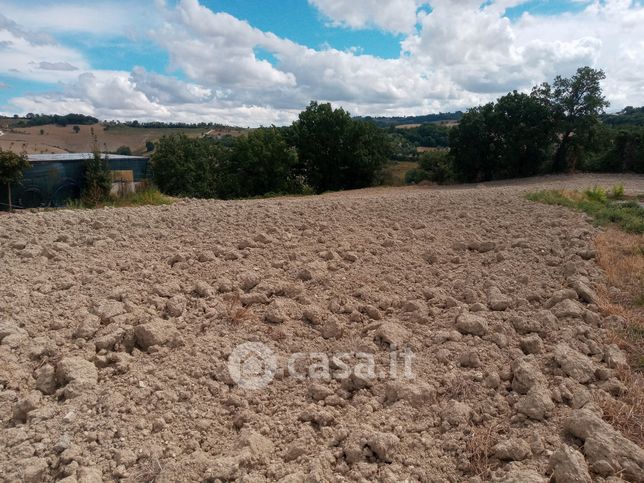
117 327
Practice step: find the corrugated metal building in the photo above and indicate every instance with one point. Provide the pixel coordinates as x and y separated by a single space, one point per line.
53 179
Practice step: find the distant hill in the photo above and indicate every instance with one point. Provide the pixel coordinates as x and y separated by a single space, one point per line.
441 117
629 116
111 137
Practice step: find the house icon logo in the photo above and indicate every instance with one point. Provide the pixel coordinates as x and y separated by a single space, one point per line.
252 365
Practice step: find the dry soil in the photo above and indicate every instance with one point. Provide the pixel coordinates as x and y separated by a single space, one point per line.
117 327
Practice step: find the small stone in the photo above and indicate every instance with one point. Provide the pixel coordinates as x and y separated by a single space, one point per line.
175 306
574 363
392 334
559 296
568 465
248 281
34 470
456 413
46 379
76 369
470 359
373 312
350 257
156 334
614 357
496 300
568 308
532 344
471 324
382 445
110 309
225 286
90 474
525 375
512 449
277 312
202 289
585 293
25 405
319 392
88 327
537 404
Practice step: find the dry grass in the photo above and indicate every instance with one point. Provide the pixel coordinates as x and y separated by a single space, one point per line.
237 313
395 173
621 256
479 446
59 139
147 471
627 412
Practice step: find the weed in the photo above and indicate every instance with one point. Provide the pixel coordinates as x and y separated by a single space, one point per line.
479 447
596 193
617 193
148 196
628 215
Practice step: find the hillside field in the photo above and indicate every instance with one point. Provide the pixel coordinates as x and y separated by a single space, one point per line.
59 139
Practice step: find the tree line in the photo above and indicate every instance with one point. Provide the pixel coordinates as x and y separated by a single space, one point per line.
556 128
325 149
44 119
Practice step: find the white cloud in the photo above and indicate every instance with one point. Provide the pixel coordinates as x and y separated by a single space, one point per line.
64 66
96 18
457 55
397 16
23 58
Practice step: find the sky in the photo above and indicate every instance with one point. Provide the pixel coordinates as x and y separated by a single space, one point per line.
260 62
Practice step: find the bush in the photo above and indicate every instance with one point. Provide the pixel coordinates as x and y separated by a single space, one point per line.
596 193
260 163
183 166
439 166
98 180
415 176
124 151
617 192
337 152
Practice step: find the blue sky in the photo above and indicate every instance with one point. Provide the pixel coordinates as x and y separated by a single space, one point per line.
262 61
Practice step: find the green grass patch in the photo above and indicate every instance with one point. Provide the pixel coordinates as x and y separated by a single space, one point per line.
605 207
146 197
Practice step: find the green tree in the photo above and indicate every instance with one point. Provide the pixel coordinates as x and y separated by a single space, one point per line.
524 134
124 151
149 146
261 162
337 152
438 166
12 166
98 179
576 104
188 167
471 145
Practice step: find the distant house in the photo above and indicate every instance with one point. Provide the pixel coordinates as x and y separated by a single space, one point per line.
54 179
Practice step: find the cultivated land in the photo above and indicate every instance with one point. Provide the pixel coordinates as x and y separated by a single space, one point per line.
59 139
117 327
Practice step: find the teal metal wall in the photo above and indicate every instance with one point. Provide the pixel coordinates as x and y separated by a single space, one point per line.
52 183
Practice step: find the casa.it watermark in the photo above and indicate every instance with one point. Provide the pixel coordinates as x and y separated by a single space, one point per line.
254 365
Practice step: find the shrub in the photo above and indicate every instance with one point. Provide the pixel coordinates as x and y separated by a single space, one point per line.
596 193
617 192
439 166
415 176
98 180
12 166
